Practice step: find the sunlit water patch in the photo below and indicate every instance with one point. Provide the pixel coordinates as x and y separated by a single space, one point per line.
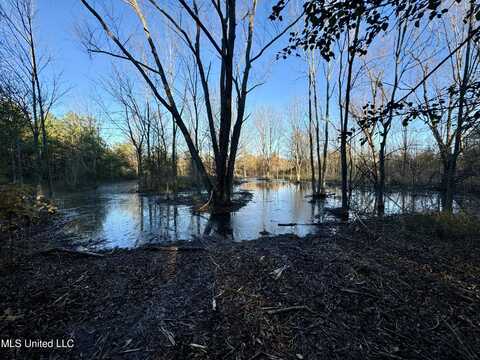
115 215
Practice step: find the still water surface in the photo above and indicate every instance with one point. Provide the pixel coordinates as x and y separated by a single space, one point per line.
114 215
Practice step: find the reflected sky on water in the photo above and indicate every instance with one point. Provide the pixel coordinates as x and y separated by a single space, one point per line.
114 215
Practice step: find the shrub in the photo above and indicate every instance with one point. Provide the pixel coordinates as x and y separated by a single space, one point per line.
19 206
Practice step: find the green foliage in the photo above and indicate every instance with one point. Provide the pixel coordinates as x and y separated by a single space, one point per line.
12 121
19 206
326 21
13 127
81 156
117 162
78 154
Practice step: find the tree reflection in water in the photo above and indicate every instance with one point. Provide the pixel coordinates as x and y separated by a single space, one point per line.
115 215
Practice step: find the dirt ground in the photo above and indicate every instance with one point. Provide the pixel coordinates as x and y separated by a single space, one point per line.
370 290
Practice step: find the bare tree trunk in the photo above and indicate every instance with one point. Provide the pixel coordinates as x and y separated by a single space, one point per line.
325 143
344 125
310 134
139 153
452 168
36 140
399 48
381 180
223 182
404 152
45 158
226 147
149 166
196 113
174 156
241 103
317 135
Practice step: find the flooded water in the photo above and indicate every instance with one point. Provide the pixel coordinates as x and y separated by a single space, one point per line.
114 215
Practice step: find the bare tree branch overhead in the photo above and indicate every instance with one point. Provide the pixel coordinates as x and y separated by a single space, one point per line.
226 139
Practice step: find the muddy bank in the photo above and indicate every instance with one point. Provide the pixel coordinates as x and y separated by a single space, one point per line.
398 289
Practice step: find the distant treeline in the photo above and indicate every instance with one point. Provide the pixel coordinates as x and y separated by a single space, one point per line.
405 168
78 155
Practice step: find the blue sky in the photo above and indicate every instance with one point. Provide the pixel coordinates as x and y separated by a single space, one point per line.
57 20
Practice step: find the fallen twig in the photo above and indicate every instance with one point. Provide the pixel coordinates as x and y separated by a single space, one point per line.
288 309
130 351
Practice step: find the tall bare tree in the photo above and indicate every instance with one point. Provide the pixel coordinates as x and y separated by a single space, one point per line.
451 110
297 142
268 126
224 134
22 57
